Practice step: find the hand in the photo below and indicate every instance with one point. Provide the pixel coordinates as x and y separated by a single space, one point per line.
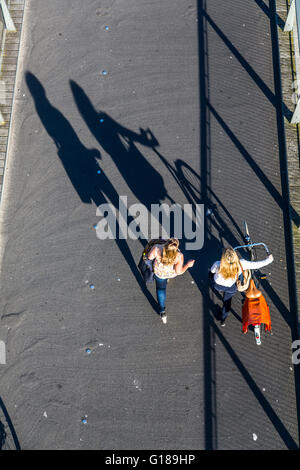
190 263
95 153
149 137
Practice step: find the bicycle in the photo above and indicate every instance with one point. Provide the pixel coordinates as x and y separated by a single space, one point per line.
255 309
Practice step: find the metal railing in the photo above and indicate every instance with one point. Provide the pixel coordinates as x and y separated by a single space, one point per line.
292 25
9 24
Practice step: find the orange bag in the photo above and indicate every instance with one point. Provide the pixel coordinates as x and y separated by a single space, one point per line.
255 310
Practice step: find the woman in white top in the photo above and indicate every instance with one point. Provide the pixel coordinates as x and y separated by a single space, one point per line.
225 273
168 263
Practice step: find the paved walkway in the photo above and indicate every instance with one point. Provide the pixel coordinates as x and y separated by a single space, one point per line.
190 73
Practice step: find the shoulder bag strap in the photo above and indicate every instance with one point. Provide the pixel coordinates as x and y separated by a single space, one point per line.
241 269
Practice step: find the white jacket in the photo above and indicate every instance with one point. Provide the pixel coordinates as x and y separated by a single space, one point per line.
245 265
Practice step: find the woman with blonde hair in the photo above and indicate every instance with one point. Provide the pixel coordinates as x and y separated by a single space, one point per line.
168 262
225 273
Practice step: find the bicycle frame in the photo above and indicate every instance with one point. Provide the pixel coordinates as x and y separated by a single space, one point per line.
249 247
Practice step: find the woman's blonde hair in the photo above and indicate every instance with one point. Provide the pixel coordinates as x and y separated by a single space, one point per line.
229 264
169 251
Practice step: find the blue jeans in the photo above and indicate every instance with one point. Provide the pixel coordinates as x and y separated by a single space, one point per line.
161 292
228 293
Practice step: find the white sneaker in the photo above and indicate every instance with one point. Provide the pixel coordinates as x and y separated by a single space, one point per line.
164 318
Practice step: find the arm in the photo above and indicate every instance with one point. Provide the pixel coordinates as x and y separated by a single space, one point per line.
214 267
180 268
256 264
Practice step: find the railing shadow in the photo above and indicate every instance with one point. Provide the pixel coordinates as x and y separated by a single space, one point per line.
10 426
248 68
2 435
280 200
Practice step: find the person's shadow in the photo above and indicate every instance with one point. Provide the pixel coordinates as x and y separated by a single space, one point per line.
81 165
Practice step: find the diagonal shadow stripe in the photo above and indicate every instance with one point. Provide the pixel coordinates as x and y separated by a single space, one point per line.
257 170
267 408
261 84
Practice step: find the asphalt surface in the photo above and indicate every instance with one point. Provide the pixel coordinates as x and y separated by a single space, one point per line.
201 78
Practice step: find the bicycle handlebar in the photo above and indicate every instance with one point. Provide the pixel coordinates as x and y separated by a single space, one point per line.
250 245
